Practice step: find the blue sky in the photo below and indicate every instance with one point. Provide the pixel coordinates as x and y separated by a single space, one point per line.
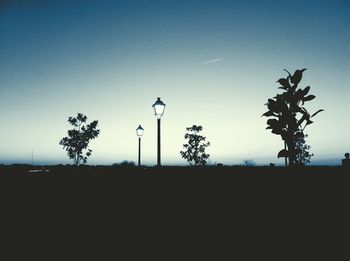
213 63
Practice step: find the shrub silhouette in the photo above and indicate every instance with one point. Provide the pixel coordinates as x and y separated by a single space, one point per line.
126 163
194 150
249 163
77 141
289 117
303 156
346 162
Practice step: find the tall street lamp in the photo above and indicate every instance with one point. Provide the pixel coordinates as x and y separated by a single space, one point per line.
139 132
158 107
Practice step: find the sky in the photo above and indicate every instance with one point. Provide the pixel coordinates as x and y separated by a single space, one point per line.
213 63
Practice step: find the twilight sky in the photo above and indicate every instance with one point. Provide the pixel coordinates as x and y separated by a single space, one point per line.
214 63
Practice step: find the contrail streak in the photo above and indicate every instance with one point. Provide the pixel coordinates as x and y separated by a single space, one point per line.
213 61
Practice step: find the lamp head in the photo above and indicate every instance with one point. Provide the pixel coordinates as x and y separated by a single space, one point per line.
139 131
159 108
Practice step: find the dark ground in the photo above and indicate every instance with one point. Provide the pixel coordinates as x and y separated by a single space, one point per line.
253 180
61 170
260 212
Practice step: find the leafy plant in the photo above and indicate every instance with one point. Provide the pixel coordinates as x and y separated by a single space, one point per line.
288 116
77 141
303 156
194 150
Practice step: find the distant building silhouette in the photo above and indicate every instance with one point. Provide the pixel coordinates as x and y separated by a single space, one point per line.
346 161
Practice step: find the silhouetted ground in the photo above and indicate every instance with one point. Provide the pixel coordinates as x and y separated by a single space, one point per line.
192 179
213 185
256 211
87 170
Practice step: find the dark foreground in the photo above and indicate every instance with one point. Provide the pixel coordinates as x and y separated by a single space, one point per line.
164 212
118 171
253 181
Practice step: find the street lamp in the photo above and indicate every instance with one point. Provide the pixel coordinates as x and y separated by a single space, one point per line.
158 107
139 132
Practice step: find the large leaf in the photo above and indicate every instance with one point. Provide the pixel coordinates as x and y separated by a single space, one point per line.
277 106
309 98
296 78
283 153
272 122
284 82
272 105
270 101
306 90
268 114
316 113
298 95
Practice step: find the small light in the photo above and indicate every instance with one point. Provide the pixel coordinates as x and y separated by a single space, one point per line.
139 131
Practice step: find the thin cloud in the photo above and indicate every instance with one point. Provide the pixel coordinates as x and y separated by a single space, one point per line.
213 61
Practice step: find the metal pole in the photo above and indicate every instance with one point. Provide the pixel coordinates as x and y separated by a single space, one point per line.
158 150
139 152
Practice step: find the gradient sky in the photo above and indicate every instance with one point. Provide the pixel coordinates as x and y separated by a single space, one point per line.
214 63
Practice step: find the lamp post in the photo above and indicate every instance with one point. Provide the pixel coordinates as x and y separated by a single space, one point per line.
139 132
158 107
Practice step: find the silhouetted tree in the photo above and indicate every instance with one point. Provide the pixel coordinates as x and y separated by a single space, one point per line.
194 150
126 163
303 156
289 117
77 141
249 163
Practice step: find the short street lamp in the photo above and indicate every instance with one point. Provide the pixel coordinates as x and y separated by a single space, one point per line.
139 132
158 107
